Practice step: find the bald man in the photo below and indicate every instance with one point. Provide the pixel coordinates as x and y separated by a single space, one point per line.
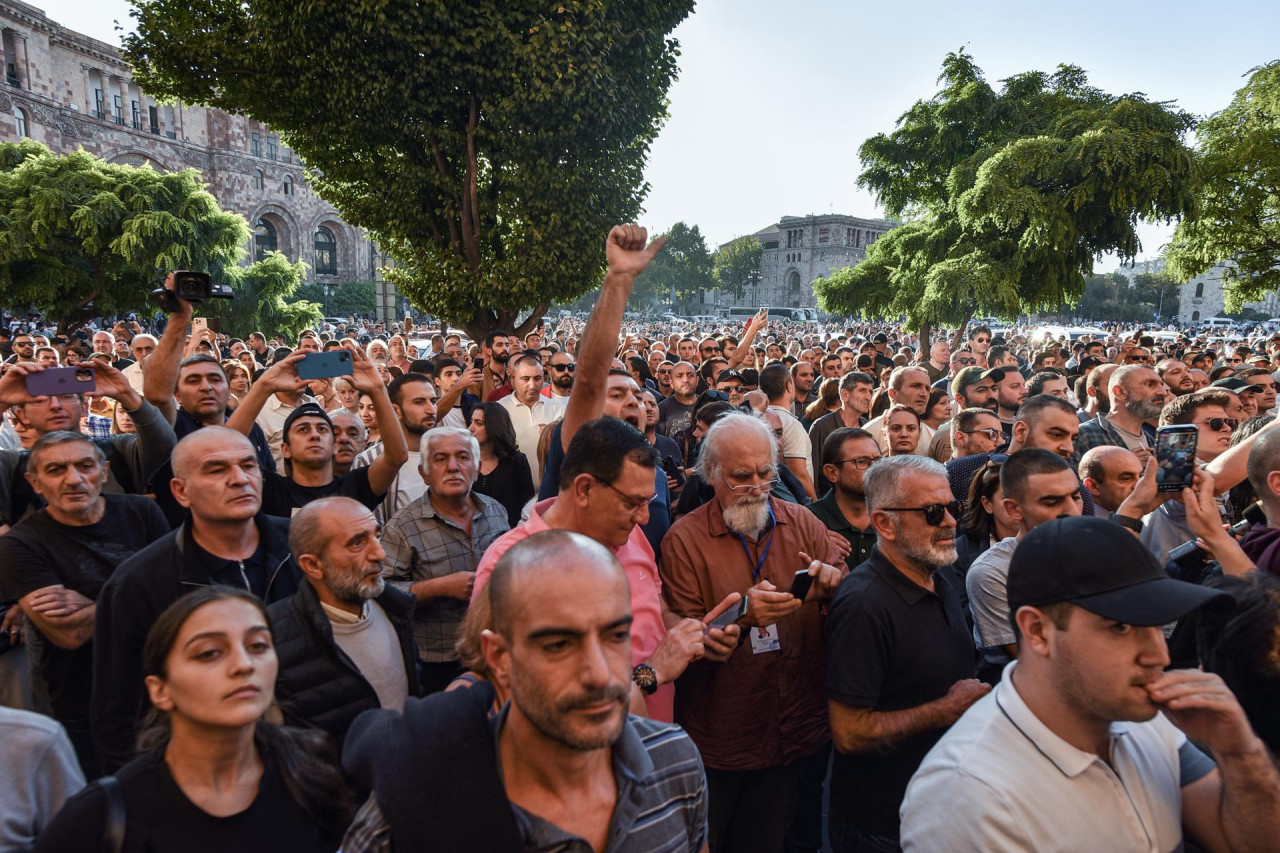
223 540
1111 474
571 767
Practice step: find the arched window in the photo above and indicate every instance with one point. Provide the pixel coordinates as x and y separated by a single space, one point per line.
257 179
1195 316
326 252
264 239
288 185
20 122
1199 288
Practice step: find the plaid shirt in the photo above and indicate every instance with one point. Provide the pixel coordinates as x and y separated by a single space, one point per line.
422 544
1100 432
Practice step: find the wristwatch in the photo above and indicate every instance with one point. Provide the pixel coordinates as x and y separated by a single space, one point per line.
1134 524
646 678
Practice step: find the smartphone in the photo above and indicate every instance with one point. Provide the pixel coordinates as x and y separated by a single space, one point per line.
673 470
325 365
801 583
733 614
1175 457
55 381
478 364
198 323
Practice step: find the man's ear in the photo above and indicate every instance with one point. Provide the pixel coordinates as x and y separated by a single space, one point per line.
179 488
1020 432
1034 630
497 654
883 524
1012 508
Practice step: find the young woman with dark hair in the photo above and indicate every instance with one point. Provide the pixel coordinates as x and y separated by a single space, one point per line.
503 472
213 774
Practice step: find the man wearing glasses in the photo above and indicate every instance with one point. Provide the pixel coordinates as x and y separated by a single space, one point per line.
899 654
972 388
561 369
846 456
24 349
980 343
855 404
758 718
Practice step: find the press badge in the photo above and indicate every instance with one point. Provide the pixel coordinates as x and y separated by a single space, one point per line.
765 639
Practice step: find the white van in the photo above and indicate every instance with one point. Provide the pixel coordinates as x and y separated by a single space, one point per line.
1219 323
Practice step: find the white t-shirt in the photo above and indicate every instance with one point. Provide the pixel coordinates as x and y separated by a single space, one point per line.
795 441
409 483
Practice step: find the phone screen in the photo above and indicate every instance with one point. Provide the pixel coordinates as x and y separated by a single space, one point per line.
1175 458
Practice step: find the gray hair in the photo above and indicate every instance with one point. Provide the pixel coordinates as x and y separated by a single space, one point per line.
708 454
437 433
885 481
1264 457
61 436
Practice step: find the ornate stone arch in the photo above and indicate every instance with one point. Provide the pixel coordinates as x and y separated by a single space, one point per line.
288 234
345 247
137 157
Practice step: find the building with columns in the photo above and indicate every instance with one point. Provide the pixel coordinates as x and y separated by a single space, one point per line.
797 250
70 91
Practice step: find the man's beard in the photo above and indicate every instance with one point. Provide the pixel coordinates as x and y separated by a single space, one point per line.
929 553
563 382
1143 409
748 516
551 718
502 357
353 590
856 494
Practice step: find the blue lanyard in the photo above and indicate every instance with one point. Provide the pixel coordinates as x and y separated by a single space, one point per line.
742 540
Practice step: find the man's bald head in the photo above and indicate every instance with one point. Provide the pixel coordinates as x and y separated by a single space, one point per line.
188 452
551 551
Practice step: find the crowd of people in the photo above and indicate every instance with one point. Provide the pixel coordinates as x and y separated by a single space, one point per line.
620 587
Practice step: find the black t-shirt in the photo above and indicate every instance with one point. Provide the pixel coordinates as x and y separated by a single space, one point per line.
674 416
283 497
891 645
40 552
158 816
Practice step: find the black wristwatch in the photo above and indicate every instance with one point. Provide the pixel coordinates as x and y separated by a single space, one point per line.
1134 524
646 678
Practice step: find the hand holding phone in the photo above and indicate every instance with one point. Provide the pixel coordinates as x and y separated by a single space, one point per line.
801 583
55 381
1175 456
731 615
325 365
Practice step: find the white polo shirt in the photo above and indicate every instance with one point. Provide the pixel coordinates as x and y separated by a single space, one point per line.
528 423
1000 780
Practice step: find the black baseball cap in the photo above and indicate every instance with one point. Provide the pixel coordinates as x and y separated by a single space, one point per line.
995 374
1100 566
1231 383
306 410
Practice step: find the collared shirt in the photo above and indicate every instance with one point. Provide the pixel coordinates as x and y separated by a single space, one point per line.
133 373
1100 432
1001 780
528 422
860 541
636 557
752 711
891 645
422 544
271 419
661 802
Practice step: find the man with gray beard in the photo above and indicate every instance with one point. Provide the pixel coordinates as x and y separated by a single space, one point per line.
1137 394
345 638
900 659
758 717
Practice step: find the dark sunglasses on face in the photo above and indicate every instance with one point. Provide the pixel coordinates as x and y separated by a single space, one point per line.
933 513
731 389
967 361
710 349
561 368
1216 424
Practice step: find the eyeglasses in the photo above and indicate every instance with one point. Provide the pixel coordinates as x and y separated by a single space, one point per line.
966 361
744 488
731 389
710 349
633 505
1216 424
933 513
862 463
561 368
990 432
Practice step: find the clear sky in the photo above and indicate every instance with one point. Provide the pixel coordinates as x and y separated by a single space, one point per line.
774 98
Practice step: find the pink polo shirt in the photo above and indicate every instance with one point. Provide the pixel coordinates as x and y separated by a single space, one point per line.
637 561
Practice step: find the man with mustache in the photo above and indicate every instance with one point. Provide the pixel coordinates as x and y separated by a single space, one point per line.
434 544
344 640
561 766
1137 394
349 440
56 561
757 716
899 656
1088 742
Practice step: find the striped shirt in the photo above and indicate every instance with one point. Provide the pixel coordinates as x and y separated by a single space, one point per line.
661 805
421 544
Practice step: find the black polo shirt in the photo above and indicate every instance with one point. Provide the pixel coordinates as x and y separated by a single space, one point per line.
891 645
860 541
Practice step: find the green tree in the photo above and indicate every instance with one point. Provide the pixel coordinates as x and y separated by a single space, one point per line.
682 268
261 303
80 237
1239 201
1010 195
736 263
349 299
488 146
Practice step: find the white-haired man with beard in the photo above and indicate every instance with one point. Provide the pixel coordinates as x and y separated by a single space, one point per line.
900 659
758 717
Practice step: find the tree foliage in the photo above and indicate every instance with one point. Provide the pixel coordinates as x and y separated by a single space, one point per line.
262 300
349 299
736 263
1010 195
488 146
1114 298
1239 210
682 268
80 237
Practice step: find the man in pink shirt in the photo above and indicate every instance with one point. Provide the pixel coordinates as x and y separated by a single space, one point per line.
606 484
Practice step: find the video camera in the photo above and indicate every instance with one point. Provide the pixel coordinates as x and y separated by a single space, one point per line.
191 287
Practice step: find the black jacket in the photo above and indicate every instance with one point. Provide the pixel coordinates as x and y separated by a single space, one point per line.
318 685
133 598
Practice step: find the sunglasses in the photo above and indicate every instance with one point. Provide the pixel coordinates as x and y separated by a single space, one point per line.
966 361
716 395
1216 424
731 389
933 513
711 349
561 368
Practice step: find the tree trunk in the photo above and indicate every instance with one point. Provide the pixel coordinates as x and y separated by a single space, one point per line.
922 350
960 330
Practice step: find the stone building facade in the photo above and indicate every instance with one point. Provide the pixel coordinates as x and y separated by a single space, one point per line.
70 91
797 250
1202 298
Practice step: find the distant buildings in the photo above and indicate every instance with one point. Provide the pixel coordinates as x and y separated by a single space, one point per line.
800 249
1202 297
